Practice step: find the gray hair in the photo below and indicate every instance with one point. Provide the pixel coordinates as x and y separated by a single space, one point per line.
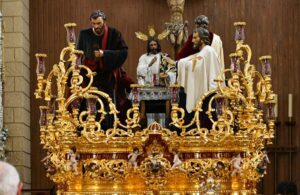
202 21
204 35
9 179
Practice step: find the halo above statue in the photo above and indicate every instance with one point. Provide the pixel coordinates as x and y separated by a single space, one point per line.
151 32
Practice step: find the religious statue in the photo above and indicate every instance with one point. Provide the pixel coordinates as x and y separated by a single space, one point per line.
153 69
219 169
236 163
177 162
197 72
133 157
178 29
73 161
262 166
155 164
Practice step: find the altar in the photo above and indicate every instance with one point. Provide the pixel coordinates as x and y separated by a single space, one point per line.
154 104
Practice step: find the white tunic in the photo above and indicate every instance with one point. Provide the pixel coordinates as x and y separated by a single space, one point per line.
144 61
218 46
196 74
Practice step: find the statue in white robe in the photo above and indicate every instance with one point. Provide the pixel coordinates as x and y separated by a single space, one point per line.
215 42
197 72
148 66
152 68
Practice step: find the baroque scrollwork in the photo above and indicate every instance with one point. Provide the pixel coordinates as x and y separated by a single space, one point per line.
105 170
86 156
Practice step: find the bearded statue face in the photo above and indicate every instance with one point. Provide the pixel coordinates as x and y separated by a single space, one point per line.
153 47
98 25
196 40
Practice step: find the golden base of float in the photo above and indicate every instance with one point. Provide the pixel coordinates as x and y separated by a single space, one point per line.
229 158
205 168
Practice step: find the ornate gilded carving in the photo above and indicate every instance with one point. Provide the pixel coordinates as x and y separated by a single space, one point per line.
177 28
83 157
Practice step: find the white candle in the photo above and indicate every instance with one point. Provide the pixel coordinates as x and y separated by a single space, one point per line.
276 105
290 113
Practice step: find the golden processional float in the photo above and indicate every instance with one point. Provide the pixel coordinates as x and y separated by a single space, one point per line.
83 158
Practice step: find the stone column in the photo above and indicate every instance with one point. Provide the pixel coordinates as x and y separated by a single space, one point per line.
16 88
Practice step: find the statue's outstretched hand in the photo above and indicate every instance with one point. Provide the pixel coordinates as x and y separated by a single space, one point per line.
169 60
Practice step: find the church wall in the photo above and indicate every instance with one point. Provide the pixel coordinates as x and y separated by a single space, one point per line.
272 28
16 85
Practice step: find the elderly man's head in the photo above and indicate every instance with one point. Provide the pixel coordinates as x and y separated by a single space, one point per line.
9 180
201 21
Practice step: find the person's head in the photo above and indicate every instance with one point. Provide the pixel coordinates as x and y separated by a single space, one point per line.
200 38
220 165
287 187
201 21
97 19
265 151
175 151
9 180
136 150
73 149
153 46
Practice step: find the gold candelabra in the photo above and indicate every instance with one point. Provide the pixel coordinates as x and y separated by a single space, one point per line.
84 157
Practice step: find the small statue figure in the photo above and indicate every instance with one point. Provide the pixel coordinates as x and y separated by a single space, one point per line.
236 163
155 164
46 161
177 162
262 166
53 162
133 157
73 161
219 169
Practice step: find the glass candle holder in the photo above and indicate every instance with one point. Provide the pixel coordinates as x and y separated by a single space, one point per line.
270 110
92 105
71 38
266 65
75 104
239 31
40 59
43 115
235 65
155 79
78 58
174 92
135 93
220 105
51 104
